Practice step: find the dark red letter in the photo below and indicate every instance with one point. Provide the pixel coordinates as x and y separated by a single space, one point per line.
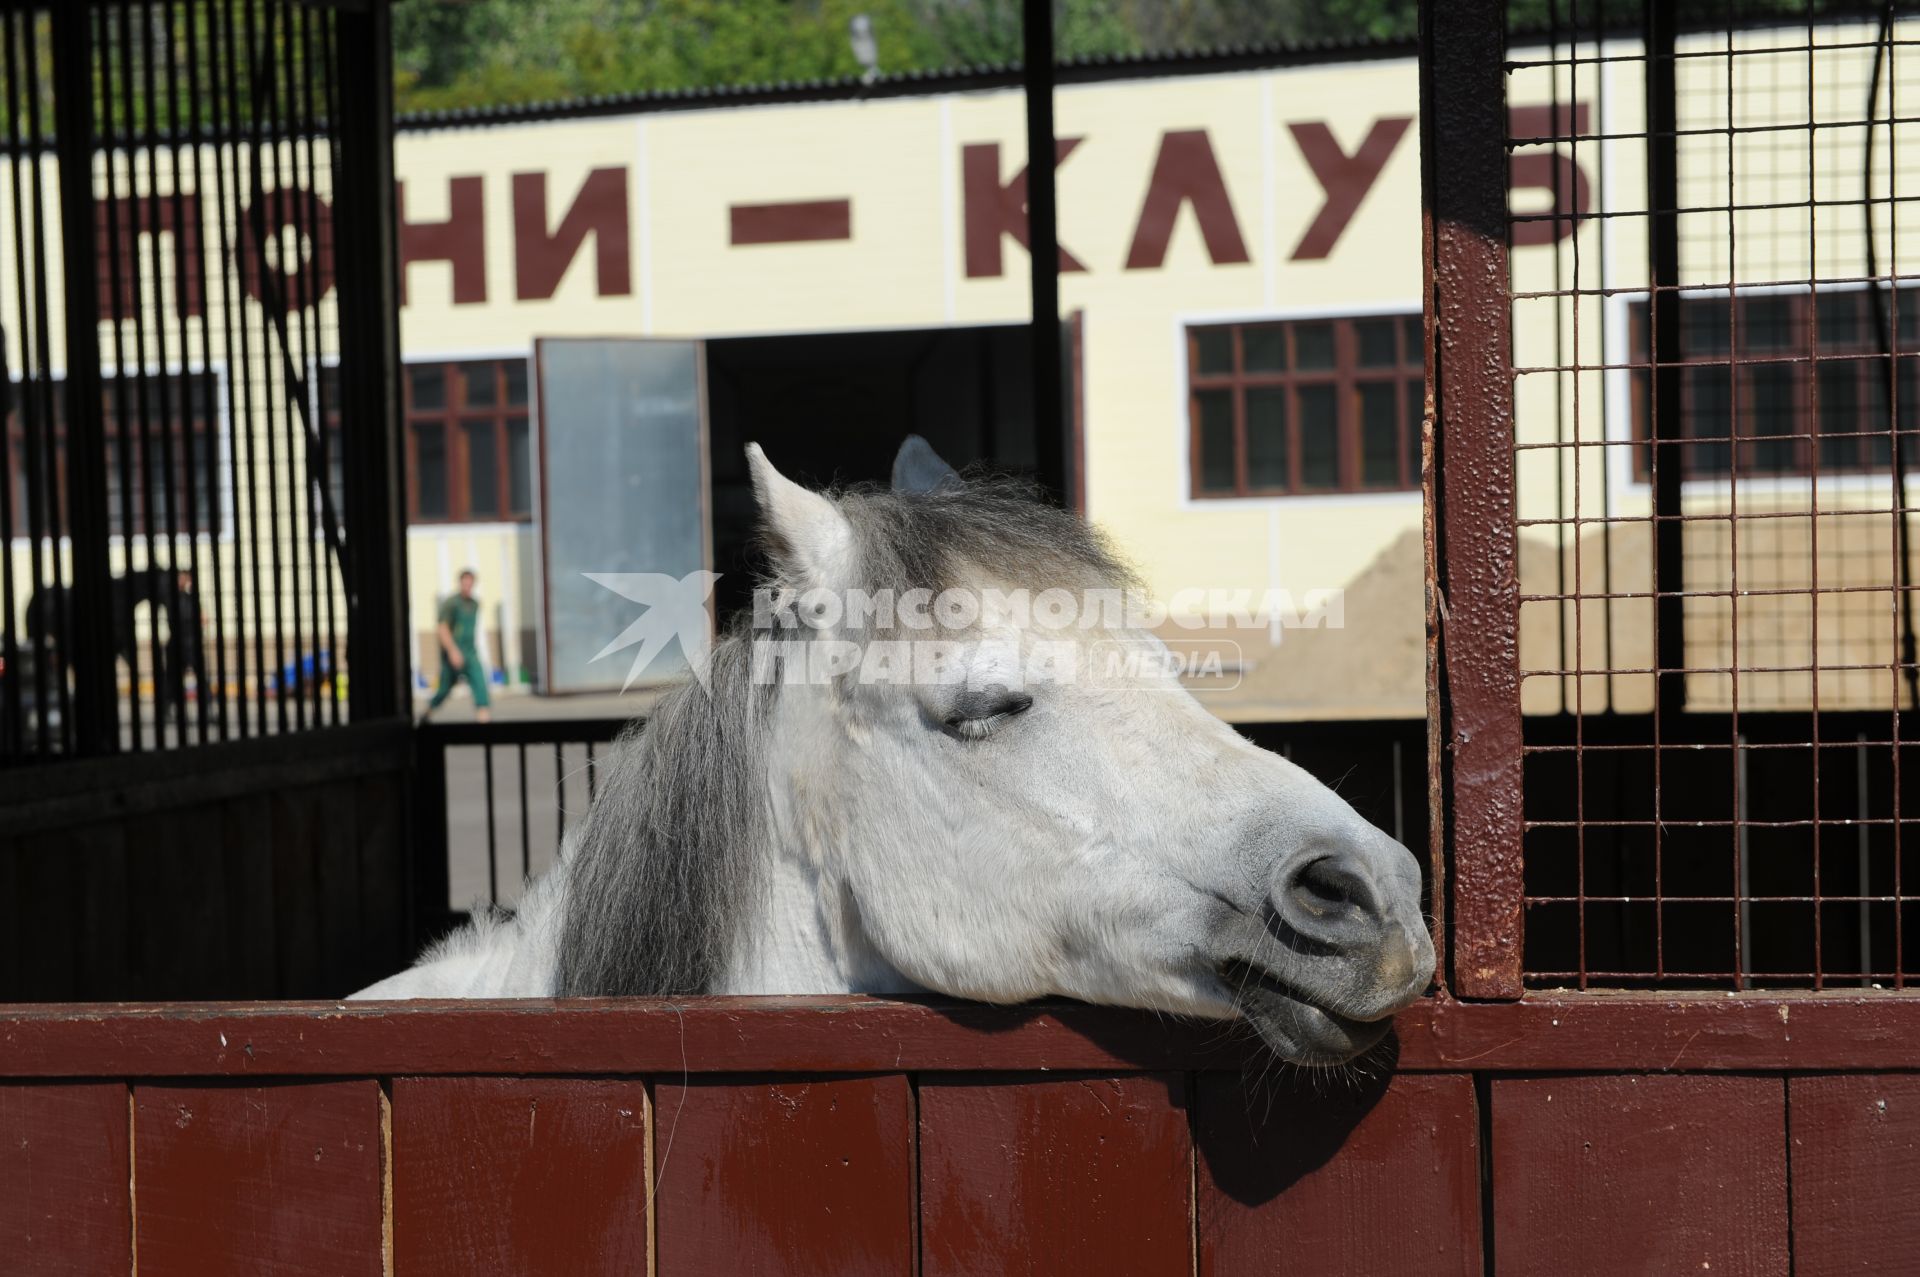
122 222
286 287
461 239
1345 178
1186 172
600 210
1569 196
992 208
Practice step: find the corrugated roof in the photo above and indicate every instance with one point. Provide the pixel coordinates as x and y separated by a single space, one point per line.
914 83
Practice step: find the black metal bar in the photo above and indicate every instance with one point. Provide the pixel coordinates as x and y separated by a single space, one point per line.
493 850
160 383
29 401
122 253
90 638
43 473
183 482
12 729
320 471
1663 265
366 268
427 882
526 833
141 419
1043 239
239 412
211 478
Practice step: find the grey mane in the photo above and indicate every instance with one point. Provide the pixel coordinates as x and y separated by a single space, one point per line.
667 853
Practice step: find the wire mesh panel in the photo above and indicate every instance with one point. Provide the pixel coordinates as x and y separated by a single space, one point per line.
1714 254
178 440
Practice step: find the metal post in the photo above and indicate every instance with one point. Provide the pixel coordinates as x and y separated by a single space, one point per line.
378 642
1474 563
1043 238
96 728
1663 266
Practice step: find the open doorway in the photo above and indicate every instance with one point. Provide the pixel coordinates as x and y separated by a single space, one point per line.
831 409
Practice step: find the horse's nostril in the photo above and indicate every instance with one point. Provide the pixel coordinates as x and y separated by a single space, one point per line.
1329 899
1321 888
1324 887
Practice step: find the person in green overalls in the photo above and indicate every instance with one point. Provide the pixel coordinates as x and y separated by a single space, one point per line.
459 658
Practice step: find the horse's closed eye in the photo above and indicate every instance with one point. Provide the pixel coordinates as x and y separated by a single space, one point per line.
977 720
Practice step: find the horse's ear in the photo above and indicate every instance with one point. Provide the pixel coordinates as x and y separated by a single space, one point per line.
918 469
812 542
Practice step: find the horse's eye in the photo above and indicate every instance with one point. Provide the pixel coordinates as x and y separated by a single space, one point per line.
975 716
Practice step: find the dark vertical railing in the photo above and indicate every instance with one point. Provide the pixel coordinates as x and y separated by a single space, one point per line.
1043 235
1663 266
368 273
89 635
1463 127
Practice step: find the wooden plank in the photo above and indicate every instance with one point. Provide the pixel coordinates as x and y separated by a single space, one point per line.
784 1177
1638 1033
512 1175
1017 1176
176 872
380 810
103 969
49 886
253 1179
247 856
1855 1153
1301 1178
296 891
63 1179
1636 1174
336 848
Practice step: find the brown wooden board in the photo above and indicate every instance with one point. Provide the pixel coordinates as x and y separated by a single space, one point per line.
1306 1176
1639 1174
247 870
296 894
1590 1032
784 1177
525 1176
1091 1175
281 1178
63 1179
379 812
337 861
1855 1153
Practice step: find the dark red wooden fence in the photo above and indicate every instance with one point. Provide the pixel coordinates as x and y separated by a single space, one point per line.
738 1136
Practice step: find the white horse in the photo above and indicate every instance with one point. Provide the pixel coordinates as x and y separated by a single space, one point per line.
983 834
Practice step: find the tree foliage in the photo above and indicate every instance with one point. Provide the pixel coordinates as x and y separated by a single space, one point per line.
466 53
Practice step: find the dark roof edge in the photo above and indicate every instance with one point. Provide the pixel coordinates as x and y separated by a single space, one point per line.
1089 70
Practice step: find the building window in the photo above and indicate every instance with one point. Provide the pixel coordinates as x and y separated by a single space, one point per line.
469 453
162 445
1749 384
1308 406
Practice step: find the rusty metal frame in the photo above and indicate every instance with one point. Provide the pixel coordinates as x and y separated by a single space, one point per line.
1472 569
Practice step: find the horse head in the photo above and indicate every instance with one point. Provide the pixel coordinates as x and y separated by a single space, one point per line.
971 799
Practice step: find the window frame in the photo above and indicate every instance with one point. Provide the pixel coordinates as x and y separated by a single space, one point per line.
1347 376
454 418
207 429
1801 358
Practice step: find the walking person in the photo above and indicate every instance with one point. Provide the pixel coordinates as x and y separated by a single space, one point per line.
458 625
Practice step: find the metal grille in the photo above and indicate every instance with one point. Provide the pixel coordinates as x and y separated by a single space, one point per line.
175 479
1714 237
